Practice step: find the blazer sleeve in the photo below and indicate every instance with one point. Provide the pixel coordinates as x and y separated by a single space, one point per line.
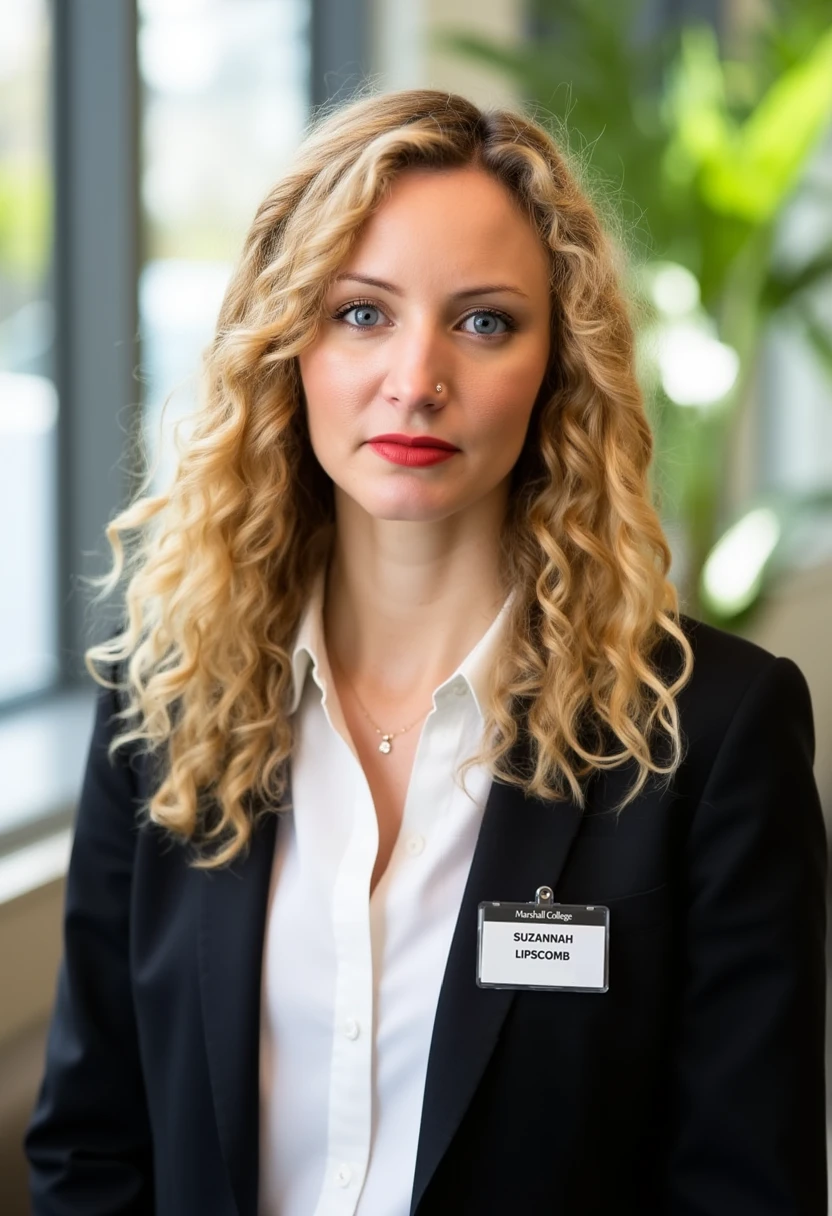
748 1117
88 1141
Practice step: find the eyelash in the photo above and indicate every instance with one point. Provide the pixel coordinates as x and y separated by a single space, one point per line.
508 321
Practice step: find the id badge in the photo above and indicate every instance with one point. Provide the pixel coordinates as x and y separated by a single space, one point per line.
543 945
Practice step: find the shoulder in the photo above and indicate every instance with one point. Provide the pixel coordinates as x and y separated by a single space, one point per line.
726 667
736 686
720 655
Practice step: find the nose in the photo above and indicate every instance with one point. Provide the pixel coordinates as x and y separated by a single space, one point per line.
413 372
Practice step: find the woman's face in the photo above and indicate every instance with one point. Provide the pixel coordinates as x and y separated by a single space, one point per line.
447 284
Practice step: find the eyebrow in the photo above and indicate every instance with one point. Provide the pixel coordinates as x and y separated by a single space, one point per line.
486 289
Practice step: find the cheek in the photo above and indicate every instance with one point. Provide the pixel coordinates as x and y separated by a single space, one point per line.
333 389
504 406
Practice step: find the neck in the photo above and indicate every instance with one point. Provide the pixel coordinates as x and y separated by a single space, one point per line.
405 602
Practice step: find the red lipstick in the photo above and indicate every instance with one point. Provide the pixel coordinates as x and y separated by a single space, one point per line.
416 451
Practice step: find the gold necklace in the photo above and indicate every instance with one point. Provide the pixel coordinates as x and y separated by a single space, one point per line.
386 745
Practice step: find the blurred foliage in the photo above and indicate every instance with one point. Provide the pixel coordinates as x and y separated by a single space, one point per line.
701 148
25 219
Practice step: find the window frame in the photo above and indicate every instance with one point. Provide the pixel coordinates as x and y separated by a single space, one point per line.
95 153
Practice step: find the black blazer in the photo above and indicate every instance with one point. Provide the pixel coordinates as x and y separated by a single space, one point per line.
693 1087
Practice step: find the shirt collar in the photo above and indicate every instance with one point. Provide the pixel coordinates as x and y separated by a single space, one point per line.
310 650
309 645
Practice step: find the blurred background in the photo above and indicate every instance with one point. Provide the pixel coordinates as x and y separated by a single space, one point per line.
136 139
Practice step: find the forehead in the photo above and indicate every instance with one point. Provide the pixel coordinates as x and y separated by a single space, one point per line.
458 221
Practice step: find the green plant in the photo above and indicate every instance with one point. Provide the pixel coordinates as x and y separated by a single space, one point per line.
703 152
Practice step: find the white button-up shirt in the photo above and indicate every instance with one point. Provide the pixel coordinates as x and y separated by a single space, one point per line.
351 983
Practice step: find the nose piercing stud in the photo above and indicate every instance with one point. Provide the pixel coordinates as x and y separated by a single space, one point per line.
439 388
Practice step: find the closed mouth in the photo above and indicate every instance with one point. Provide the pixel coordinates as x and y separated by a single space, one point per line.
415 441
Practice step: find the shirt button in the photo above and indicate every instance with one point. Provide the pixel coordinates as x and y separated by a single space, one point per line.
459 687
415 845
343 1175
351 1028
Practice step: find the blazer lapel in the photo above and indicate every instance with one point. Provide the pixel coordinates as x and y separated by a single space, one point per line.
230 949
522 845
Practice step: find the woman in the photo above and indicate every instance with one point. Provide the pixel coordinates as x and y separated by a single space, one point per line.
400 643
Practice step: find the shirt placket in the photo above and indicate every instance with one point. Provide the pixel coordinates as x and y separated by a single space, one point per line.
350 1094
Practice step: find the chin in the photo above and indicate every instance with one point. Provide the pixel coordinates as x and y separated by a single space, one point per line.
412 506
408 513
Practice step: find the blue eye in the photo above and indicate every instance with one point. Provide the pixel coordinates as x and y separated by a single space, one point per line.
367 314
362 308
361 311
491 317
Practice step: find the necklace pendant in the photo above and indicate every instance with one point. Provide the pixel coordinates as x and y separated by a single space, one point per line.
385 745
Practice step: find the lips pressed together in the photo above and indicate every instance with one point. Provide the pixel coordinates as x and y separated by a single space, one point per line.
416 451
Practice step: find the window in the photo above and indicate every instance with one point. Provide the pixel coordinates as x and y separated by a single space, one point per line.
28 399
102 243
225 88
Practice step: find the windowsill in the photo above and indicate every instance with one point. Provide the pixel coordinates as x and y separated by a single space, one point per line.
34 865
43 752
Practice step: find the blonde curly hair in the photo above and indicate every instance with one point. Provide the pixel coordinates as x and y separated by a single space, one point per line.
219 567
